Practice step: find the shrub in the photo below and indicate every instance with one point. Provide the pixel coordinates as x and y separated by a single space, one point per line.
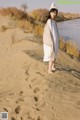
79 56
25 25
62 44
38 30
14 12
40 14
71 48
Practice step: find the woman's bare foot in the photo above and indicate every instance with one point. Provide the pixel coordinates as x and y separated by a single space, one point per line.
53 69
50 72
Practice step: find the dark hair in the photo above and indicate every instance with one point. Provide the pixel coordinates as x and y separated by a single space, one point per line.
52 10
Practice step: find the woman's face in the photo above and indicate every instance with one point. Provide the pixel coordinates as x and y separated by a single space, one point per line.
53 15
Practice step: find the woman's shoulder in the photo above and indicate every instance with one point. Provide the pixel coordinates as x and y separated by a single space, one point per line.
49 20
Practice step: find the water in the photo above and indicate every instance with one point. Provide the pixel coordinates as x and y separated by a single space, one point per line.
70 30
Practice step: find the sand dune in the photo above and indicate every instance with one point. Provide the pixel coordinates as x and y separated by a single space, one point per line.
27 91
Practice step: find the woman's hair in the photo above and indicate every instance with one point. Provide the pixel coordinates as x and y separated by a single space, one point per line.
52 10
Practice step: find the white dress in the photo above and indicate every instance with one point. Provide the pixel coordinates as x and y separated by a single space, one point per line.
50 52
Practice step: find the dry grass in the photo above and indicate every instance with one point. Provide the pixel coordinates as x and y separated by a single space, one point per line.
62 44
25 25
13 12
38 31
40 15
31 28
69 47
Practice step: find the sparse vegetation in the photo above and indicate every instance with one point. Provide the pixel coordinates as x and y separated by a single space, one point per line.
70 47
62 44
25 25
40 15
38 31
14 12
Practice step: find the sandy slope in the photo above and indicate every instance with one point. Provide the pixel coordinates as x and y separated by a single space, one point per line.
27 92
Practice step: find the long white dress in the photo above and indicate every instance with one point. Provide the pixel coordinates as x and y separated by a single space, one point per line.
51 52
48 53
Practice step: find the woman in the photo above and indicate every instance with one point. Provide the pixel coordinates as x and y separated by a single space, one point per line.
51 38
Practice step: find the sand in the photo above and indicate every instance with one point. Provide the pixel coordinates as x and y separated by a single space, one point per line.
27 91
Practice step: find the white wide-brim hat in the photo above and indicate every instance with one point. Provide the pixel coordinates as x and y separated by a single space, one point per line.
53 6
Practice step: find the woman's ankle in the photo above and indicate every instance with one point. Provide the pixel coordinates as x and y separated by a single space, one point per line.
49 70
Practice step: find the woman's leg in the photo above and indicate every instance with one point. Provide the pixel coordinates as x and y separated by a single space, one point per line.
53 66
50 66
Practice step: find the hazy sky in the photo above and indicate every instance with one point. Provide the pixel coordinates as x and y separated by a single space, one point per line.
62 5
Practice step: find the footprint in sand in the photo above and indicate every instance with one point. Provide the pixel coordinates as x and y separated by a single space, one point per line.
40 74
36 90
5 109
33 80
17 109
21 93
21 118
39 118
36 105
30 116
30 86
38 109
11 94
19 100
27 72
12 118
36 98
26 79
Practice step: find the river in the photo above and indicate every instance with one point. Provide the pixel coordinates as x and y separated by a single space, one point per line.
70 30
